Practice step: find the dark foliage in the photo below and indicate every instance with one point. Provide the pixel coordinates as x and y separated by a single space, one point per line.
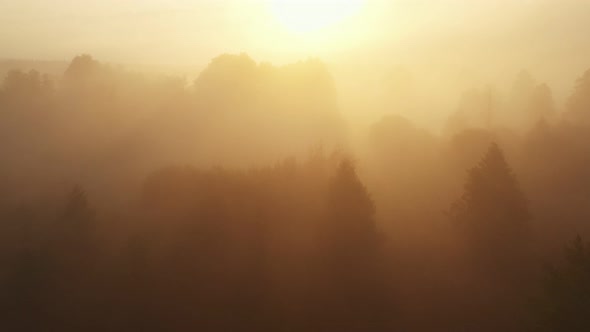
314 243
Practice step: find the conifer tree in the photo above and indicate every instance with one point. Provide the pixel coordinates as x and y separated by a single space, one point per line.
77 207
564 302
578 105
351 293
351 211
73 252
493 211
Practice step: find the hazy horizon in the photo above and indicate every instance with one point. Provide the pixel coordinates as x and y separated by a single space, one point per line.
472 44
295 165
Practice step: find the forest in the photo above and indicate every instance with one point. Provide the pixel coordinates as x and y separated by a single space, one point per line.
244 200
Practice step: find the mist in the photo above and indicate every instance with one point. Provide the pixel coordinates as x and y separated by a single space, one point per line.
221 166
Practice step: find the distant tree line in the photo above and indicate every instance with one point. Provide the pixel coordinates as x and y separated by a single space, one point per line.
100 231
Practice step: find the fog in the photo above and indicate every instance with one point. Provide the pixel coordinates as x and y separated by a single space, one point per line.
215 166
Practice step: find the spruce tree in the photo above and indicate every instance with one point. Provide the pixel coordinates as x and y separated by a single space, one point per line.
493 219
73 251
351 293
74 228
564 301
77 209
578 105
493 211
351 211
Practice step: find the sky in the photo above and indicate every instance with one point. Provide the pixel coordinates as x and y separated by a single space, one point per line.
189 31
153 31
476 41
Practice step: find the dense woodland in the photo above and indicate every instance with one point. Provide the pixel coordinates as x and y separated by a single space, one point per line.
241 202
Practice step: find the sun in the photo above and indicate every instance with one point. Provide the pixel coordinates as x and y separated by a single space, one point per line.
305 16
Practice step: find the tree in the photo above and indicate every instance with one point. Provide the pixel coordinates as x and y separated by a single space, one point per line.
25 291
522 89
578 105
492 218
74 226
477 109
564 301
350 292
73 250
351 212
26 276
26 89
541 106
493 210
81 68
93 85
77 208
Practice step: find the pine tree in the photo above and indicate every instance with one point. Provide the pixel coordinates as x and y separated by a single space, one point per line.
564 302
578 105
351 293
493 210
492 218
75 229
27 279
542 105
351 211
77 207
73 251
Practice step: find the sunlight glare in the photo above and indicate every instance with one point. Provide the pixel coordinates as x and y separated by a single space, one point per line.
305 16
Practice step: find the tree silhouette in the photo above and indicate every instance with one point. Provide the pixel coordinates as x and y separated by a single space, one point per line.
73 250
564 302
351 208
578 105
25 292
542 106
477 109
74 227
77 209
493 210
522 90
27 279
493 219
351 294
81 68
